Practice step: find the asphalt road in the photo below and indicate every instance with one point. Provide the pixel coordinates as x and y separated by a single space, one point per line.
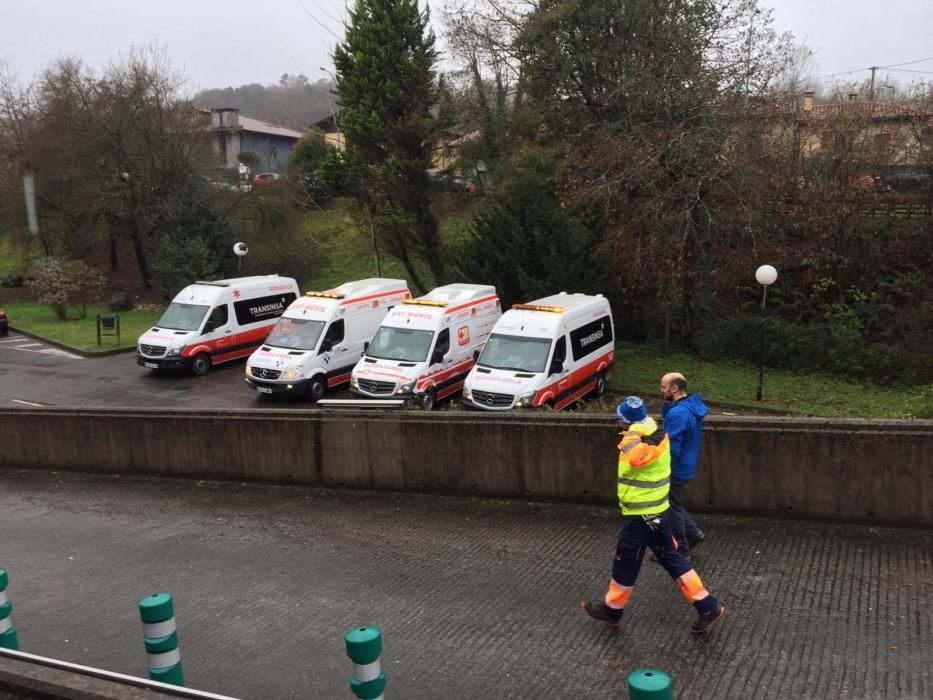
34 373
476 598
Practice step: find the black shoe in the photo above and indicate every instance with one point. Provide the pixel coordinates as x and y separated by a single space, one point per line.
602 612
693 542
706 620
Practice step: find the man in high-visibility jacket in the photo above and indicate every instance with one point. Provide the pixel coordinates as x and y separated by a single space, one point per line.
644 483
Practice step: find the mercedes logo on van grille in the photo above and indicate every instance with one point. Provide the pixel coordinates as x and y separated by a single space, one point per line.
489 400
374 387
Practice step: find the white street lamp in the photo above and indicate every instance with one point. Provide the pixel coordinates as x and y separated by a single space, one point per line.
240 249
766 276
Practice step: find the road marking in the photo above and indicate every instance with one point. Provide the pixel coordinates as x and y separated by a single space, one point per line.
59 353
15 339
28 403
42 349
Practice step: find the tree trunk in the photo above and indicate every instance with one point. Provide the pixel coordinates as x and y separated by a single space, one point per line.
415 278
372 240
141 260
114 263
687 273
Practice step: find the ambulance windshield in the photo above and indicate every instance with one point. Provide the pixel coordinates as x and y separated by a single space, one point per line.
295 333
182 317
513 352
401 344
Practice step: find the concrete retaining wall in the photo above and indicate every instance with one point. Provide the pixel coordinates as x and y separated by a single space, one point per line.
852 470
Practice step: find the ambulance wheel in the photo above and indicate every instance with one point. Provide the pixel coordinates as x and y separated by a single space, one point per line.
201 364
316 388
600 385
428 400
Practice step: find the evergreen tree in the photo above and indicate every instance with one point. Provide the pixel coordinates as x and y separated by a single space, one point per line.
526 243
385 79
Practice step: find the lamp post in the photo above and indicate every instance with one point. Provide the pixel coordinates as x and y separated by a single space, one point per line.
766 276
240 249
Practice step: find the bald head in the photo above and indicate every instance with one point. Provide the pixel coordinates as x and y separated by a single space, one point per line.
673 386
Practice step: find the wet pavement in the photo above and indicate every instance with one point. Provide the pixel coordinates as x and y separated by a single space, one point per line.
36 374
475 597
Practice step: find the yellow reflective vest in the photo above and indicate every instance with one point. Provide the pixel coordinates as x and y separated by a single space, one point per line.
644 469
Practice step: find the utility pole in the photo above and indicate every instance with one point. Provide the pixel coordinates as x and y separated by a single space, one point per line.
871 89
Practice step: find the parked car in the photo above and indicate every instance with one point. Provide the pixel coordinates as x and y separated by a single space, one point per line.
908 182
4 324
263 179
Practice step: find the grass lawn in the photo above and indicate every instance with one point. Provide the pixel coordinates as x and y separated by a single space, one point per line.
17 254
639 368
347 253
41 320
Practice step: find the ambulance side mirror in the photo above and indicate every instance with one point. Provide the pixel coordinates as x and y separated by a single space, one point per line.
209 327
437 356
475 355
326 345
365 346
557 367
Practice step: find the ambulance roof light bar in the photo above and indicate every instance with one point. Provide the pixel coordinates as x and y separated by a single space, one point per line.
424 302
325 295
539 307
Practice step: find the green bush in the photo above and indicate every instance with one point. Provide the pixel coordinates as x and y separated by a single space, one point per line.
835 347
180 262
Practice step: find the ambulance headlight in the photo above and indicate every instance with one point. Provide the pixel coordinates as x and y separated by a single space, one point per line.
175 352
406 388
290 374
525 399
467 394
355 384
249 367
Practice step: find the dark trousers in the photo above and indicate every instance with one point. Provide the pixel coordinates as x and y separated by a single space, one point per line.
682 523
635 539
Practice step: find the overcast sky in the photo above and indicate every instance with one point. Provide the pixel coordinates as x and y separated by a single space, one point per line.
235 42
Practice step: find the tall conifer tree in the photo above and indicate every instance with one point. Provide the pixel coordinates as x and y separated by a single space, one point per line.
385 79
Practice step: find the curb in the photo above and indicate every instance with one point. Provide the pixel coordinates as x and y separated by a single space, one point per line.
72 349
621 391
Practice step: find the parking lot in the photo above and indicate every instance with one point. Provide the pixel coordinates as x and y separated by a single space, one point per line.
35 373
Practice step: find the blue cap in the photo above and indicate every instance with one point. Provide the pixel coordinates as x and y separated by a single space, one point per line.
632 410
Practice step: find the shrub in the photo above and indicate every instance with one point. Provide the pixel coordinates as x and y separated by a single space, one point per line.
180 262
833 346
67 285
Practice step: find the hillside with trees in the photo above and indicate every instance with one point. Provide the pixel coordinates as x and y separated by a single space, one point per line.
295 101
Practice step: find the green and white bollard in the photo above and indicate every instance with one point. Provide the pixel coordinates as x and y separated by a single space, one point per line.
650 684
364 646
161 638
8 638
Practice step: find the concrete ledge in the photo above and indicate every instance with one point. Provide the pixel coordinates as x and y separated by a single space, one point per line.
847 470
23 680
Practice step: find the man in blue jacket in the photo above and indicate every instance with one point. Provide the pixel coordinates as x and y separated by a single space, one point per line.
683 416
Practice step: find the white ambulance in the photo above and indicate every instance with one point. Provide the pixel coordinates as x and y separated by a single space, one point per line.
424 348
212 322
320 337
547 353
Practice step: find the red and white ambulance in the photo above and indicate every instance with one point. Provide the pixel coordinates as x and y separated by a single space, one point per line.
547 353
321 336
212 322
426 346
